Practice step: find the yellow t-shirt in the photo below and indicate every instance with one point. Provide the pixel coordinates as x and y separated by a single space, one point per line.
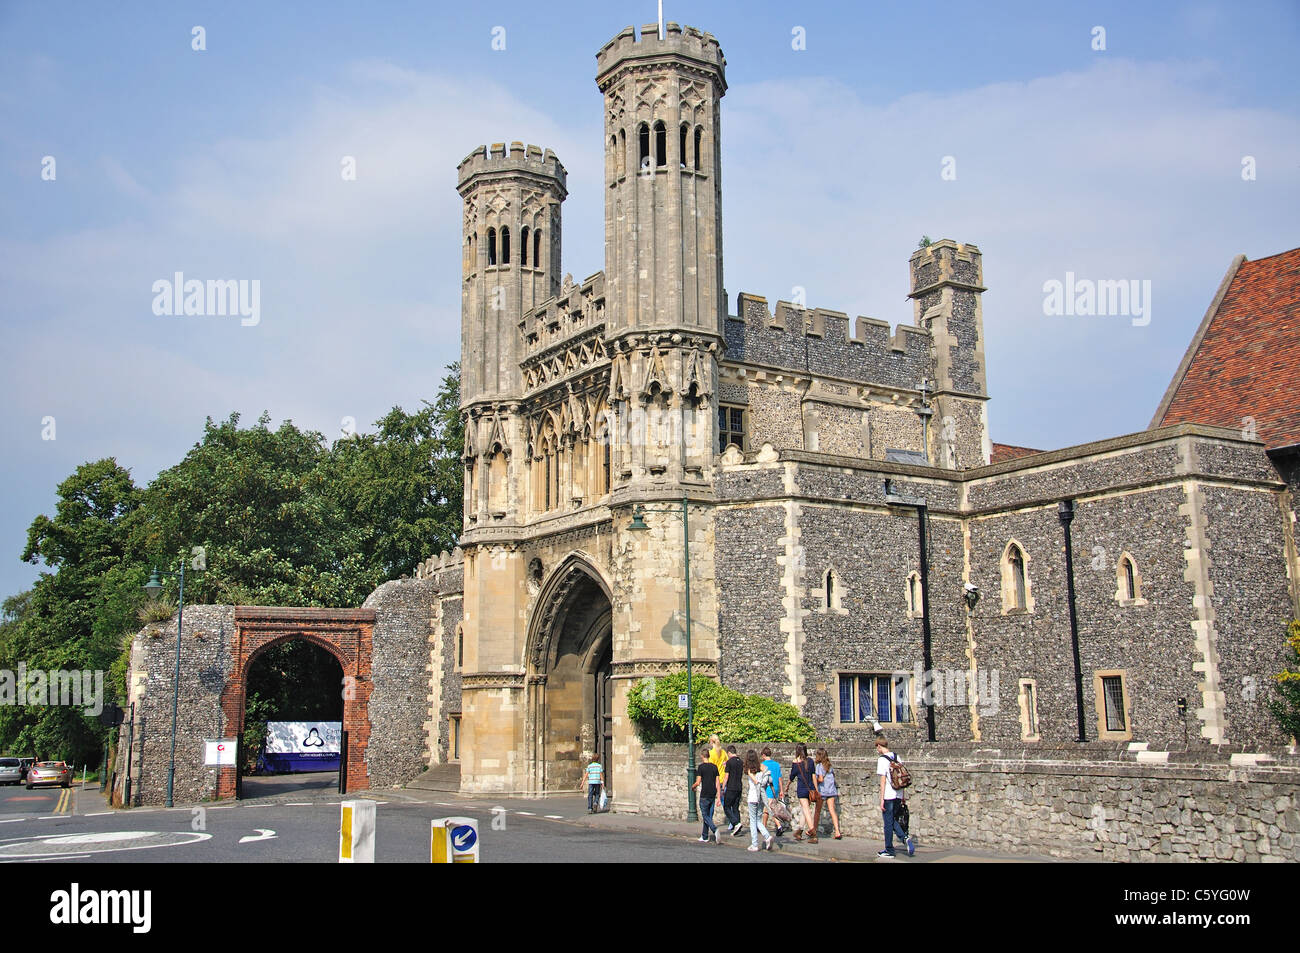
718 756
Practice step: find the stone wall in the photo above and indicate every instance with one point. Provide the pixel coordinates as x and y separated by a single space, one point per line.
1074 802
206 662
397 750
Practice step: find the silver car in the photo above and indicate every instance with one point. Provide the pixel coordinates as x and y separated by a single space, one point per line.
11 771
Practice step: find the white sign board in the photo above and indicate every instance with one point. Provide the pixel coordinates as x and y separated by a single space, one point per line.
219 751
683 701
304 737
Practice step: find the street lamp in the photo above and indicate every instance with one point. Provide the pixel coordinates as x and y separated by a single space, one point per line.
638 525
154 588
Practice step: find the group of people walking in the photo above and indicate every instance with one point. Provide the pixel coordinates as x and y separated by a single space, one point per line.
724 774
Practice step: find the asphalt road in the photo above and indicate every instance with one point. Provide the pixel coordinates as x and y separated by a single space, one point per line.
306 831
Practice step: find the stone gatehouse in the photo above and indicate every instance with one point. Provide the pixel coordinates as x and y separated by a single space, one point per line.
802 458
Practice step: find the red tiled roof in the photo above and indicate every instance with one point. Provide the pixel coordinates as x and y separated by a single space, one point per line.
1243 365
1006 451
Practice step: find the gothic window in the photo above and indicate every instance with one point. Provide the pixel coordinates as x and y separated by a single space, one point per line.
661 144
643 146
523 247
622 153
833 591
604 473
1128 582
1016 595
492 247
613 157
731 427
681 152
699 134
537 248
505 246
914 601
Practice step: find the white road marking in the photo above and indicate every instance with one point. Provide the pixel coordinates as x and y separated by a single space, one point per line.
51 817
16 820
262 834
98 814
298 804
42 860
555 817
526 813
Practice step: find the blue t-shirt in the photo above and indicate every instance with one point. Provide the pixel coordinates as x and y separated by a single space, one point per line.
593 772
774 769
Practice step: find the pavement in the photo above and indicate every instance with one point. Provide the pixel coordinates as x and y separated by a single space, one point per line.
573 810
567 810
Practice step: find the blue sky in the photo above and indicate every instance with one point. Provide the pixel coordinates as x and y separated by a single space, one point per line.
1123 163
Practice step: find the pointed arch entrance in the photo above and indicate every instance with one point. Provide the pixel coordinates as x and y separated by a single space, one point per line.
570 662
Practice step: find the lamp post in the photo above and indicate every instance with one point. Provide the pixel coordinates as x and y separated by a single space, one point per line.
1065 513
638 525
154 587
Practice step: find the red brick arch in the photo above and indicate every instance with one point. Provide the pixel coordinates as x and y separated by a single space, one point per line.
347 634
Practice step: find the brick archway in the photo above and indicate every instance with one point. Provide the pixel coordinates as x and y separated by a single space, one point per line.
347 634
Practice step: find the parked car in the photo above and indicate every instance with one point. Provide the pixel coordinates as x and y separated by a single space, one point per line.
49 772
11 771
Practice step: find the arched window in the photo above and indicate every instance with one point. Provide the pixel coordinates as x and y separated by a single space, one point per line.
1128 582
613 158
537 248
681 152
523 246
505 246
914 600
699 135
832 592
622 153
661 144
643 146
492 247
1017 595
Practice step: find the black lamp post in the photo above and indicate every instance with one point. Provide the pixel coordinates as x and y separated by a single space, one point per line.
154 588
1065 512
638 525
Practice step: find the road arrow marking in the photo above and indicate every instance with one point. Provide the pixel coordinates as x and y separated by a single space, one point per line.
262 834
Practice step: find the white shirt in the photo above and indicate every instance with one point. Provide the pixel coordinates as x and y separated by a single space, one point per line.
756 783
882 769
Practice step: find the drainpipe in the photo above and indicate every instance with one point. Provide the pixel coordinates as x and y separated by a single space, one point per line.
1065 511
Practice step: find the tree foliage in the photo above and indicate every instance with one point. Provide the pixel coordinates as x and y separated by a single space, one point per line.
282 519
731 715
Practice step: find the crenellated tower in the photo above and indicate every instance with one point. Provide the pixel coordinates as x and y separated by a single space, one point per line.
947 282
663 249
510 262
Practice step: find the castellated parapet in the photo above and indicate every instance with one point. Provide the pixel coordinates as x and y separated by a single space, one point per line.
520 158
679 43
817 341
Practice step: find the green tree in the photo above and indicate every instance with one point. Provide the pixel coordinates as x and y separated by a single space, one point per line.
401 487
73 617
256 501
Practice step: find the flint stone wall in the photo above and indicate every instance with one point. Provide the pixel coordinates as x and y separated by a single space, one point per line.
1092 801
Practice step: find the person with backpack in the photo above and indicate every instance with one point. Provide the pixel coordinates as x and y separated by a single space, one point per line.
803 776
776 810
893 779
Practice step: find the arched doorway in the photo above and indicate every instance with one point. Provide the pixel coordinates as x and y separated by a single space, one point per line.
293 717
570 661
345 634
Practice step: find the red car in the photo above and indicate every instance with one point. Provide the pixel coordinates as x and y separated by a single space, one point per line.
49 772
